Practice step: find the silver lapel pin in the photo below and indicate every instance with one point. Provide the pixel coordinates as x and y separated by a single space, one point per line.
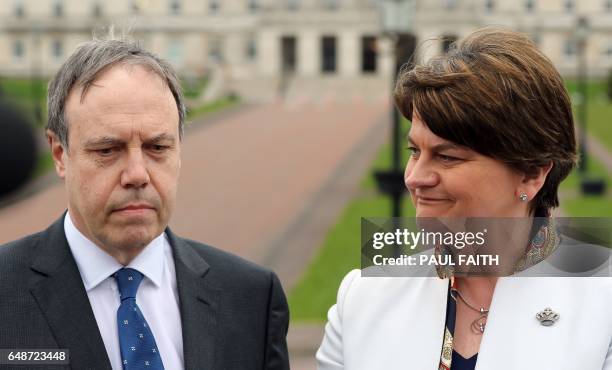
547 317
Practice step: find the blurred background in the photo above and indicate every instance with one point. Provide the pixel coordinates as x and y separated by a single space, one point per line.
292 135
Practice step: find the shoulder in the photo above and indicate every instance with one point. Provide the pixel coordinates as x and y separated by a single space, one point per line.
229 268
18 252
371 289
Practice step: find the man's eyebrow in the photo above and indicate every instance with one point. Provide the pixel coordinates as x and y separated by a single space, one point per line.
103 140
165 137
439 147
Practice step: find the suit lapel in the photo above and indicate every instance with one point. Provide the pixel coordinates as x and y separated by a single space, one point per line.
58 289
198 305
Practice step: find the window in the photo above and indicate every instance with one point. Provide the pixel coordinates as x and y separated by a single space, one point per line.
251 49
175 52
368 54
19 9
537 39
293 4
489 6
570 48
96 9
57 49
569 6
328 54
134 7
288 54
449 4
607 51
530 6
215 49
330 4
58 8
18 49
213 6
175 7
447 42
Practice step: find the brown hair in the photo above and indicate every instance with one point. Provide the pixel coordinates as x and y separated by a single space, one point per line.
497 94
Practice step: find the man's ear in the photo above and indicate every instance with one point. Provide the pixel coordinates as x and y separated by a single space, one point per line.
531 184
57 153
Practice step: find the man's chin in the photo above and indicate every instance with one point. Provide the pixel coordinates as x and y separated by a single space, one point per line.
129 237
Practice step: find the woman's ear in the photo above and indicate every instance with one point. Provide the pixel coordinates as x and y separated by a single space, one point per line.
532 183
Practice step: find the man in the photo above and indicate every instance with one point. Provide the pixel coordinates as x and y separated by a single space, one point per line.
109 281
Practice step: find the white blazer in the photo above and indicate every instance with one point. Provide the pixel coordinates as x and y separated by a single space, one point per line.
392 323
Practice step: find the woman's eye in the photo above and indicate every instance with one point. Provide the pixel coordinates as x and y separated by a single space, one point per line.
413 151
447 158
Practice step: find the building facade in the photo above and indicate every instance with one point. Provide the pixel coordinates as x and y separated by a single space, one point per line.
259 48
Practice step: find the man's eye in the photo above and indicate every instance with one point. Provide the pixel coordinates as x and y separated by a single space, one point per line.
158 148
105 151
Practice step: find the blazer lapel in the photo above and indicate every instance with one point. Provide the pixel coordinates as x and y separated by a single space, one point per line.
58 289
198 305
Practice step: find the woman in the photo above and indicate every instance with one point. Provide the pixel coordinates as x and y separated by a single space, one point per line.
492 135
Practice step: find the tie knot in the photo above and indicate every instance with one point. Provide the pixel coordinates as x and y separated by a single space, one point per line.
128 281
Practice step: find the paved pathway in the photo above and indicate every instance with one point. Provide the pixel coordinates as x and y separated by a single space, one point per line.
600 151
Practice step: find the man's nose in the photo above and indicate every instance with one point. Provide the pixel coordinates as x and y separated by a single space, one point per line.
135 174
419 173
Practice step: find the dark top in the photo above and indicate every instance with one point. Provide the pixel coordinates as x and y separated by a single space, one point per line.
457 362
460 363
234 314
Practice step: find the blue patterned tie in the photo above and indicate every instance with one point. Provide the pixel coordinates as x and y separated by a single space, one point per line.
138 348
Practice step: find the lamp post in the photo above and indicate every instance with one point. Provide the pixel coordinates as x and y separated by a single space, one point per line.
397 24
588 184
582 30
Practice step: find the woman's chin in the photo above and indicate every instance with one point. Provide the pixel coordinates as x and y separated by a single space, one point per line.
429 211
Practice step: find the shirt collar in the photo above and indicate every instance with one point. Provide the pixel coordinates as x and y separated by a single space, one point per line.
95 265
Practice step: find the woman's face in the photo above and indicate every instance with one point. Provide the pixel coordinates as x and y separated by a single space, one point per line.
447 180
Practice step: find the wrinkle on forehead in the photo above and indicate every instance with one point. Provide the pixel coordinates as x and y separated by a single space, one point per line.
85 86
129 104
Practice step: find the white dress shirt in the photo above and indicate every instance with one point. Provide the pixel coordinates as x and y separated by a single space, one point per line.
157 295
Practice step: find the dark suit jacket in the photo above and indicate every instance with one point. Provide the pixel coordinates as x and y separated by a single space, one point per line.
234 314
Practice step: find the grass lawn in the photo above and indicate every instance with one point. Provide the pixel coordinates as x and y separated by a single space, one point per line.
599 110
341 250
214 106
193 87
578 205
26 95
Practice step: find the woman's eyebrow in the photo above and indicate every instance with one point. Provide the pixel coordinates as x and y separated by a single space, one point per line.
438 147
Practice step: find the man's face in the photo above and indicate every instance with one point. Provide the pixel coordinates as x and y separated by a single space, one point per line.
122 166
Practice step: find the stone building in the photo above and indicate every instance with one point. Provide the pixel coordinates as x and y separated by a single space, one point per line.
259 48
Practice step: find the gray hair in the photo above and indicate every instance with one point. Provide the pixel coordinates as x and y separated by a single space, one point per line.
84 66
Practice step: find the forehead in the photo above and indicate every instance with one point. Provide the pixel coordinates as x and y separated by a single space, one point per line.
419 132
123 97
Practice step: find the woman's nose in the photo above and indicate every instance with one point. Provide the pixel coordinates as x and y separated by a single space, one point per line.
420 174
